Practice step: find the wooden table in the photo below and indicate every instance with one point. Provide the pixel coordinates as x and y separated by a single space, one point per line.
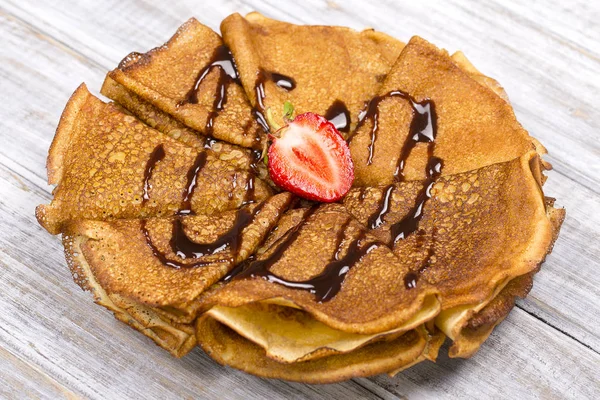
54 342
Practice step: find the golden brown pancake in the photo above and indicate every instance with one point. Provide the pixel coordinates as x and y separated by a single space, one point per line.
479 230
229 348
475 127
99 159
476 329
369 298
174 230
242 157
138 260
178 339
325 63
189 78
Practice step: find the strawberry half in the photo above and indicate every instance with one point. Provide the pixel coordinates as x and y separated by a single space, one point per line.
311 159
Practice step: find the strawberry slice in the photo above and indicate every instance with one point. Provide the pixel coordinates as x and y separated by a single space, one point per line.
311 159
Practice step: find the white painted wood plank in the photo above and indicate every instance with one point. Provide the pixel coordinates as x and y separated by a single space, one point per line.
521 360
19 380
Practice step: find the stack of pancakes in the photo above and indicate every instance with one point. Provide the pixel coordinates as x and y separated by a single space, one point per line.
169 218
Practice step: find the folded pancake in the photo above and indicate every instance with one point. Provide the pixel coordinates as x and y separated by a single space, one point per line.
472 331
193 78
478 231
228 347
178 339
166 263
475 126
347 278
346 292
329 70
243 158
109 165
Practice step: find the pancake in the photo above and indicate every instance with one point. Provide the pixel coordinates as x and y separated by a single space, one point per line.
347 279
177 339
475 126
470 333
106 165
170 219
229 348
192 78
478 231
328 70
243 158
169 262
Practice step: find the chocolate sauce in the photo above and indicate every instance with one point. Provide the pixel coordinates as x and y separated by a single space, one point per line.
285 82
376 219
186 248
422 128
410 280
157 155
186 203
223 60
164 259
281 246
409 224
249 196
325 285
339 116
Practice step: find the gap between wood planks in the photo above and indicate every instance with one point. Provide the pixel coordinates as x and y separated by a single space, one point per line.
539 318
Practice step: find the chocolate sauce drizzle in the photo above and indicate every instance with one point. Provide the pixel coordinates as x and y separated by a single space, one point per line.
339 116
325 285
410 223
423 129
223 60
180 243
190 187
157 155
284 82
185 248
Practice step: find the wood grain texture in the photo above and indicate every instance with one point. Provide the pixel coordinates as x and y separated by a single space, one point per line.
54 342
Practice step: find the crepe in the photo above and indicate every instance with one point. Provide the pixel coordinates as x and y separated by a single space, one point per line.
479 230
174 224
358 295
328 70
370 297
242 157
475 127
178 339
229 348
100 162
193 79
139 260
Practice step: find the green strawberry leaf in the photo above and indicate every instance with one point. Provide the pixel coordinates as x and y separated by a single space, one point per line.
288 110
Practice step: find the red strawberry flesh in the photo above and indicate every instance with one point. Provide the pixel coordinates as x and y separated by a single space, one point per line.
311 159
